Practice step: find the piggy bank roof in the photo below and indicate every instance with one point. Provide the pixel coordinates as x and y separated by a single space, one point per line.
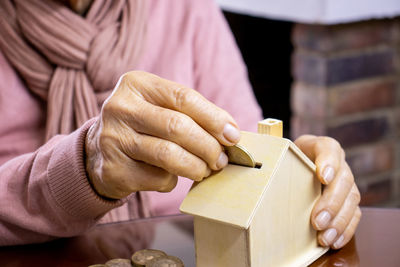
232 195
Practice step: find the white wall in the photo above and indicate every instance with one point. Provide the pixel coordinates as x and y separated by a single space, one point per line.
315 11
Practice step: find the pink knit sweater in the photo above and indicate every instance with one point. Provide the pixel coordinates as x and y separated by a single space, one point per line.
44 190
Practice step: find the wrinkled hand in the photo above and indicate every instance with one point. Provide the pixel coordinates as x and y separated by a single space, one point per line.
337 214
152 130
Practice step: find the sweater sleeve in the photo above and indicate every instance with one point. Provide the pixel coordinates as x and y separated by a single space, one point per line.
220 73
46 193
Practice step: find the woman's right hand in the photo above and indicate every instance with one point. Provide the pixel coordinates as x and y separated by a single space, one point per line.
151 130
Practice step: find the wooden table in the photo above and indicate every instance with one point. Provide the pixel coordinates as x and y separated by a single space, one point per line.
377 243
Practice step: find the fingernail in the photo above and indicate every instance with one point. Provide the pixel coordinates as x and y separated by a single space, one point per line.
329 236
231 133
328 174
338 242
222 160
322 219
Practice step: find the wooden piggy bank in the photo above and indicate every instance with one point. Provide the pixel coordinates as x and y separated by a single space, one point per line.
257 216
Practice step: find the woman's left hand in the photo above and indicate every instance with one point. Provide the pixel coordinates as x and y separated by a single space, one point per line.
336 214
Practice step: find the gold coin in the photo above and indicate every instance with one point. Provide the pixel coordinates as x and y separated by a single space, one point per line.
166 261
141 257
118 263
240 156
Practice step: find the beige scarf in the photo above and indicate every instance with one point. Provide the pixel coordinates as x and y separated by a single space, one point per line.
72 62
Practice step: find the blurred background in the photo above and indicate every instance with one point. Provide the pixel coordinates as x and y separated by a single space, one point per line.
330 67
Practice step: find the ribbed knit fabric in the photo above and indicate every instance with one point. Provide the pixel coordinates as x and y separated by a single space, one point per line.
69 184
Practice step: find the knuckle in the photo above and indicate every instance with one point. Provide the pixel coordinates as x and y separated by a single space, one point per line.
116 109
331 141
131 146
348 183
138 80
347 177
109 107
318 146
175 125
326 141
112 141
126 77
131 75
334 206
166 152
137 117
181 96
340 223
355 197
106 141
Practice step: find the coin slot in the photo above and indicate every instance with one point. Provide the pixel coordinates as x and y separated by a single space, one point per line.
258 165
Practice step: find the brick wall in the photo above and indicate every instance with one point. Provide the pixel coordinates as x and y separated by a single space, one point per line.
347 85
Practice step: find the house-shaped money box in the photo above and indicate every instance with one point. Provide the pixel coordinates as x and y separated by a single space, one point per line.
258 216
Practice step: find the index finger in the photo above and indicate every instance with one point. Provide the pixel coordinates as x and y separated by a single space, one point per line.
174 96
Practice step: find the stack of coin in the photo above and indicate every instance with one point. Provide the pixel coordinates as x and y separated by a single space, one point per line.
118 263
145 258
141 257
166 261
115 263
152 257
